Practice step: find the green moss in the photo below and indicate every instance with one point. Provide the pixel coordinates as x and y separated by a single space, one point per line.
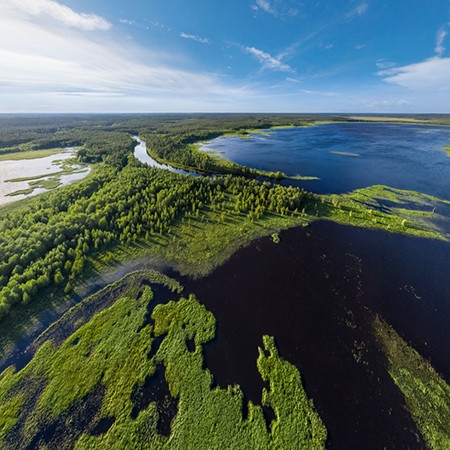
447 149
427 395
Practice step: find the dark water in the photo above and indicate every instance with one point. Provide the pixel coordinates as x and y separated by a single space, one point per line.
317 292
401 156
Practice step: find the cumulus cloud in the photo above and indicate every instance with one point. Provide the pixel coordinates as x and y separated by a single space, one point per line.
268 61
194 37
58 12
429 75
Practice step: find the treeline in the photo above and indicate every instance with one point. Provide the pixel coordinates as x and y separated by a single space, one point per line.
51 241
107 138
109 146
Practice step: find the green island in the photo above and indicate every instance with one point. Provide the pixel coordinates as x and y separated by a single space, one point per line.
98 373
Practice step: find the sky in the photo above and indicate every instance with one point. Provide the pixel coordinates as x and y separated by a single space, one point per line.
361 56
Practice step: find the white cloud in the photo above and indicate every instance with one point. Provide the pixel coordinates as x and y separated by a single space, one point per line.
293 80
266 6
194 37
58 12
431 75
383 63
359 10
323 93
439 49
387 103
39 62
268 61
278 8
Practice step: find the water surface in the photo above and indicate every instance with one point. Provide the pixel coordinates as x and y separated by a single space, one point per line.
348 156
27 168
317 293
140 152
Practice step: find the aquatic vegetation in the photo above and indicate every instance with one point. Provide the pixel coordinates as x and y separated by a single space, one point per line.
276 238
345 153
394 210
118 351
426 393
33 154
302 178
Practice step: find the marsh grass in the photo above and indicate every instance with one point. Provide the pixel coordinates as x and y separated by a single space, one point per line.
111 351
426 393
33 154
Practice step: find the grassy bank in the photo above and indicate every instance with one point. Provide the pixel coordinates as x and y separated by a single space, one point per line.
426 394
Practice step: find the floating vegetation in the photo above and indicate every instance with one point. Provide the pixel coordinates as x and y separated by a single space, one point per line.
83 393
334 152
275 238
392 209
302 178
426 394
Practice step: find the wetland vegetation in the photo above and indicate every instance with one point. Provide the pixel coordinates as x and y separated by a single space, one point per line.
52 245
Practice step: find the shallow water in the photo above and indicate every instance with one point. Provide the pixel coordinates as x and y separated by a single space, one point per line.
31 168
401 156
317 293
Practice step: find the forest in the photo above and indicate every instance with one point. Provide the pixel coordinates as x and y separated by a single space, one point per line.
47 242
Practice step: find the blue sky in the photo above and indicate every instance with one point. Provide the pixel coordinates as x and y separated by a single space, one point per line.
238 55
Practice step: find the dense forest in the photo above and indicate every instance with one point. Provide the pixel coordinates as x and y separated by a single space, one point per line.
47 242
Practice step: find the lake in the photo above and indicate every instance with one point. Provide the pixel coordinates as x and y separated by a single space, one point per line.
317 293
348 156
